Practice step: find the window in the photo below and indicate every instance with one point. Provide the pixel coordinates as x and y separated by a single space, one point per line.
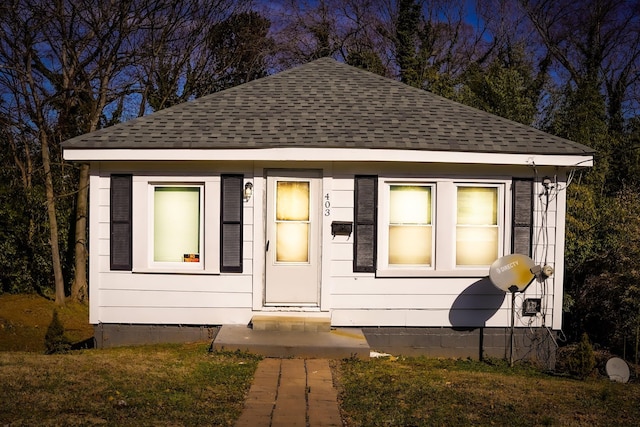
477 233
177 223
292 221
407 240
410 226
183 224
440 227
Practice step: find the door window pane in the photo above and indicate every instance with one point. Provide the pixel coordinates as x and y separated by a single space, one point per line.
410 225
292 242
292 221
176 224
477 233
292 203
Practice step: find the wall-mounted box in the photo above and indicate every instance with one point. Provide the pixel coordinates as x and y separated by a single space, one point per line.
341 228
531 306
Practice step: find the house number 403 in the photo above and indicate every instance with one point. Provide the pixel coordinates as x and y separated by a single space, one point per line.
327 205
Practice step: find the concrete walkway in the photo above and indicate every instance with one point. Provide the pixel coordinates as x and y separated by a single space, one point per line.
291 393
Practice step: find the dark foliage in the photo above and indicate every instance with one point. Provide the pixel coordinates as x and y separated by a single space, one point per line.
55 340
579 360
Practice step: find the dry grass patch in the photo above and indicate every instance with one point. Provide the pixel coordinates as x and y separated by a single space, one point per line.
24 320
147 385
428 392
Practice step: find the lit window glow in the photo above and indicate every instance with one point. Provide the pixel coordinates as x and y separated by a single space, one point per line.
292 242
410 225
477 233
292 221
176 224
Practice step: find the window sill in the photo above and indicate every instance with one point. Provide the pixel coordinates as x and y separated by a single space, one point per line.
474 272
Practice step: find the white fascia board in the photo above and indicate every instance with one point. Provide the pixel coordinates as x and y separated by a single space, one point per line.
328 154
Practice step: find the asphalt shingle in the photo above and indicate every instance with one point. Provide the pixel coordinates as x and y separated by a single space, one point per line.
326 104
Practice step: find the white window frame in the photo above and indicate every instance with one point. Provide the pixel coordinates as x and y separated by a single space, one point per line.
384 223
143 218
175 264
444 209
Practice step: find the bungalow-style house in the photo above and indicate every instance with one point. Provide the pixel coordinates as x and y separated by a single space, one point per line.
329 192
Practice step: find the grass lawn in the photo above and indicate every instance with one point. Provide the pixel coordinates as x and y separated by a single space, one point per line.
24 320
135 386
185 385
435 392
130 386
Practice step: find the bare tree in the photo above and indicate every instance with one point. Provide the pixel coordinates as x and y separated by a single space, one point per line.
428 44
362 41
72 66
64 64
169 63
92 46
305 30
92 43
26 97
430 40
597 43
508 74
188 47
351 30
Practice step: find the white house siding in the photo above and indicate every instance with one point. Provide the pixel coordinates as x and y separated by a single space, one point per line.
361 299
152 298
353 299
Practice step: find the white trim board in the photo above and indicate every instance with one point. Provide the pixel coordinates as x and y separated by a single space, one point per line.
329 154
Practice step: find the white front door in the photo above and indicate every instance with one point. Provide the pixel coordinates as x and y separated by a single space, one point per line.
293 238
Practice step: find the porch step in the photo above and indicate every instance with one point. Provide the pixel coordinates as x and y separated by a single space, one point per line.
338 343
285 322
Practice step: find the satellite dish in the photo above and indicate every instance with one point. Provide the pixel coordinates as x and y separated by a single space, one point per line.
618 370
512 270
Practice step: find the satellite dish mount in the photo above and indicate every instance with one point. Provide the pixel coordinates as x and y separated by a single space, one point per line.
512 273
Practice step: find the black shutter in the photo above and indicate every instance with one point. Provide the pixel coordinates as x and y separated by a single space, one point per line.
231 223
120 223
522 231
365 224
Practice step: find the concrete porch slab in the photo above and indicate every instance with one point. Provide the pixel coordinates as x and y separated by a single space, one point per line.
336 344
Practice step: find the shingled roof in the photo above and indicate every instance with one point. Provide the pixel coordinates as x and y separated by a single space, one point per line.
326 104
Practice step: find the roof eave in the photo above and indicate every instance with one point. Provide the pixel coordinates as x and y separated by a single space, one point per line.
293 154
